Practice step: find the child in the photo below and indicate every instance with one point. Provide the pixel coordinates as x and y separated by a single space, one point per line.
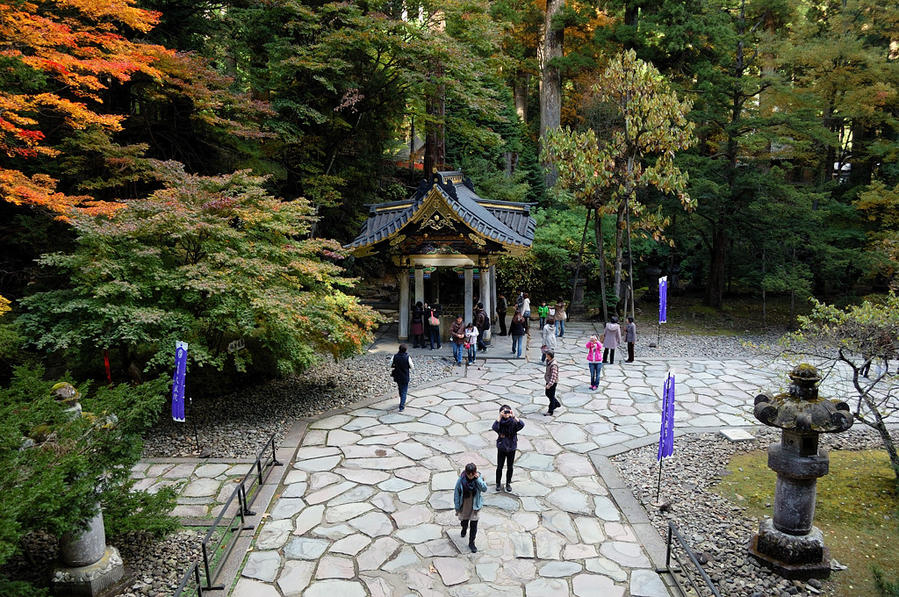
594 360
467 501
471 342
506 427
542 313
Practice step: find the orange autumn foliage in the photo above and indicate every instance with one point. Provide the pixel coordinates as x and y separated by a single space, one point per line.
75 45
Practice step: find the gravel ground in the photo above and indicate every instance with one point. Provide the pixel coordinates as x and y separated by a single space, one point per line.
697 346
710 524
153 568
238 424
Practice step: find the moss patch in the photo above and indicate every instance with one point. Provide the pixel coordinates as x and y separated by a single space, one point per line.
857 510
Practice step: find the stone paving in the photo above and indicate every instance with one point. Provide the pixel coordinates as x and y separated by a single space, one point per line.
202 487
366 508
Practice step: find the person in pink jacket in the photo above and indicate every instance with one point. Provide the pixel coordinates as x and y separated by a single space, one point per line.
594 360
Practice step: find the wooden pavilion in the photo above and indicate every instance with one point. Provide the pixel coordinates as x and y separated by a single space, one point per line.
443 238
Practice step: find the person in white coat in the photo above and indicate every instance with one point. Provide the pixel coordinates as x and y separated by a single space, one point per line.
549 338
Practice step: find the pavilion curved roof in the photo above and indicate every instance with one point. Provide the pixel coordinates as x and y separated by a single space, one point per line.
505 222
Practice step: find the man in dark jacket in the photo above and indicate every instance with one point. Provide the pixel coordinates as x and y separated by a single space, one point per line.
506 427
501 306
402 368
482 322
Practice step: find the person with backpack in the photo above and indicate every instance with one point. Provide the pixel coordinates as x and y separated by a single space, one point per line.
482 321
518 329
434 325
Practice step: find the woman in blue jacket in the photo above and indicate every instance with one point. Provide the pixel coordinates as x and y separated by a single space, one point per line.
506 426
467 501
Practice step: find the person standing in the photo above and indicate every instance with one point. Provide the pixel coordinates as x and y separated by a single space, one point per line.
549 338
467 501
594 360
402 366
482 322
561 316
611 338
457 335
418 325
471 342
551 377
518 329
506 426
630 336
526 306
542 313
434 325
502 306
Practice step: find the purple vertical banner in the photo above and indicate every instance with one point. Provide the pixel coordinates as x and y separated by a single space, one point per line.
663 299
178 381
666 432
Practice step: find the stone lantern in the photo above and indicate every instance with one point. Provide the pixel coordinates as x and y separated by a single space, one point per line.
789 543
87 565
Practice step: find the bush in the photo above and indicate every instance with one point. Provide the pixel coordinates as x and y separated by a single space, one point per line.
55 465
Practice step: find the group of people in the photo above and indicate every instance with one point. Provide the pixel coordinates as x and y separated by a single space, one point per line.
470 486
469 338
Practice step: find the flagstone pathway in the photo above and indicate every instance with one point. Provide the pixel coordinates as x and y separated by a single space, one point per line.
366 508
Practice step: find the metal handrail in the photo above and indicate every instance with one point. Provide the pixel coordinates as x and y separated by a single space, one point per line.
192 573
245 492
674 533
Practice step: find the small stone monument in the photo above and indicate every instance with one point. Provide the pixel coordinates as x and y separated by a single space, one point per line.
789 543
87 566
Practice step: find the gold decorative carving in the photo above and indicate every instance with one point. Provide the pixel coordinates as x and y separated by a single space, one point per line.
477 239
397 239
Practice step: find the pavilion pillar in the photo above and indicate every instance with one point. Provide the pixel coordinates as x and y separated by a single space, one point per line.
493 293
419 284
485 294
469 292
404 304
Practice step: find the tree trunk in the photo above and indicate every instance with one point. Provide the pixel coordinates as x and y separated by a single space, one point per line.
435 140
630 260
715 290
549 49
764 294
619 254
577 270
520 90
602 264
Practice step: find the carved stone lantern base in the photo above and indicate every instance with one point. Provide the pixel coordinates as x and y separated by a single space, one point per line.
799 557
90 580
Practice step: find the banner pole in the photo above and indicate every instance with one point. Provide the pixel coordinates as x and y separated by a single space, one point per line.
659 483
659 335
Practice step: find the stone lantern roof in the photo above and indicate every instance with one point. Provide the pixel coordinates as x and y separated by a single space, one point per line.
801 409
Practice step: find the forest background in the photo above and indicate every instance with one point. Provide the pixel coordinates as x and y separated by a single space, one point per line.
184 169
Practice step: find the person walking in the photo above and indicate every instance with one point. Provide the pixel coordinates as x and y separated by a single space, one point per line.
594 360
434 325
561 316
506 426
630 336
611 338
549 338
457 335
471 342
517 329
542 313
402 367
467 501
526 306
418 325
502 306
551 377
